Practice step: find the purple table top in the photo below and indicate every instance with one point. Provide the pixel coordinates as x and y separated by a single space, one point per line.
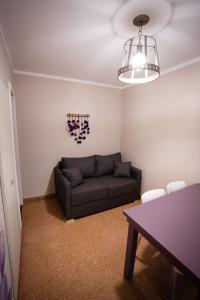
172 222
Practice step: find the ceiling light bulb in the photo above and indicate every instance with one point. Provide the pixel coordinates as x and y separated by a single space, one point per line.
138 59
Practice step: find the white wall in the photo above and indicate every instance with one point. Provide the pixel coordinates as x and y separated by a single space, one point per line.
161 128
42 105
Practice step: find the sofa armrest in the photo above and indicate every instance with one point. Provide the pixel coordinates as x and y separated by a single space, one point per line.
137 174
63 192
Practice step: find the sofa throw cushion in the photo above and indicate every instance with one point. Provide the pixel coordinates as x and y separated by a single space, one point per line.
86 165
122 169
74 176
105 163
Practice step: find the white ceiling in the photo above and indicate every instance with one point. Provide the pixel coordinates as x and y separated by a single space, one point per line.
81 39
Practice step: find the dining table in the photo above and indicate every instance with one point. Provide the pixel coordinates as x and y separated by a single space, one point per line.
171 223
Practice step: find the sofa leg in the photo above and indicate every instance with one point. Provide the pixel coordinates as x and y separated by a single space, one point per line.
70 221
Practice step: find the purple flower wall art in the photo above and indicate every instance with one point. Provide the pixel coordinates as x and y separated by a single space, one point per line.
5 290
78 126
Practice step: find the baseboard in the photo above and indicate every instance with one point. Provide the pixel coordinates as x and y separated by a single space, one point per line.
48 196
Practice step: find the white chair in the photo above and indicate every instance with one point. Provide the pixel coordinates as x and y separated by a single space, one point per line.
152 194
173 187
149 196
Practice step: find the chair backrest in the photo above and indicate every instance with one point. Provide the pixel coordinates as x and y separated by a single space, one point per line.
152 194
175 186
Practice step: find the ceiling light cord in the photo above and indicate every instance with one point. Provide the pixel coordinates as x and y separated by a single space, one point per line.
140 34
140 31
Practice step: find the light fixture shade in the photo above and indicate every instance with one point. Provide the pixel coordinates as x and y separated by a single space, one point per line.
139 62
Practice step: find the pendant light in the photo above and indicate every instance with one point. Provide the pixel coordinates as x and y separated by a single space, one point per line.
139 57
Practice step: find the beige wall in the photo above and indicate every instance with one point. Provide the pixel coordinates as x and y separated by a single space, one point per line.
161 128
42 105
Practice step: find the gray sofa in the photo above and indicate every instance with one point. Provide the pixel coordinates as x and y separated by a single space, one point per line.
99 190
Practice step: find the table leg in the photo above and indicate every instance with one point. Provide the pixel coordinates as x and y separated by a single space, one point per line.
130 252
198 294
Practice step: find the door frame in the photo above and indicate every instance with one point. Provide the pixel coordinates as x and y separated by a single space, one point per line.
13 114
4 198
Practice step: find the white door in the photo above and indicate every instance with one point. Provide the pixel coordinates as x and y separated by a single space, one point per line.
6 288
9 184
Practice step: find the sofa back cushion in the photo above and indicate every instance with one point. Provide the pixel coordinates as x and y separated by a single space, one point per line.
86 165
105 163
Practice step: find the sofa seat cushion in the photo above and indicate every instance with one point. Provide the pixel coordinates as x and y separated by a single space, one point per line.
119 186
92 189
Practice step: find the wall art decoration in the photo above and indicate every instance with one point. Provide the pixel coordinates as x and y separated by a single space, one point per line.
78 126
